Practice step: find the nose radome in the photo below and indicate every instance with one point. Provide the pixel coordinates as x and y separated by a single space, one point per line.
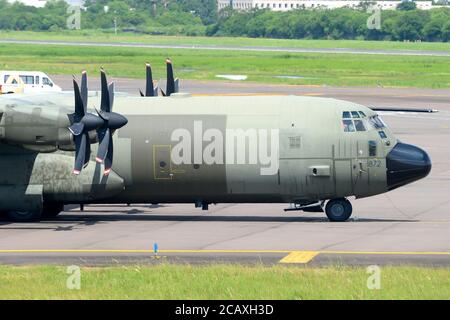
405 164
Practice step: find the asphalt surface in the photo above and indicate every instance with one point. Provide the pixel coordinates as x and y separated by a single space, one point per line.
234 48
410 225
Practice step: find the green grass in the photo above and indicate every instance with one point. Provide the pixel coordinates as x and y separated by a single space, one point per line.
223 282
99 36
316 69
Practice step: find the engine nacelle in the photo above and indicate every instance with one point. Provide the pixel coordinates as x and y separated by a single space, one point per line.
38 129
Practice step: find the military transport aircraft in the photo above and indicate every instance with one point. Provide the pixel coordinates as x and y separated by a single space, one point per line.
176 148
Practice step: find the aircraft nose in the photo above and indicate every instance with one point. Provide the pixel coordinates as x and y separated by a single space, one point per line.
405 164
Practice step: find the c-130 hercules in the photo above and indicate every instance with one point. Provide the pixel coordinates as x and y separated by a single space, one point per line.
308 151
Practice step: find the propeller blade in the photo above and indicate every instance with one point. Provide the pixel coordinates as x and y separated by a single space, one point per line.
79 107
84 90
111 88
103 136
87 156
177 85
105 103
77 128
149 90
109 156
170 78
102 114
80 153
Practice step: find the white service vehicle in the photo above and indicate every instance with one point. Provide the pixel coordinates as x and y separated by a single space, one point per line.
31 82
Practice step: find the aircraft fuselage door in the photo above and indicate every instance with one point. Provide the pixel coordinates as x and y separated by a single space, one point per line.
360 170
162 166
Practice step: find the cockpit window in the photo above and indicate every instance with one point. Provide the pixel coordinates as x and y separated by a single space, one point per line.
359 125
382 134
372 148
348 126
355 114
353 122
376 122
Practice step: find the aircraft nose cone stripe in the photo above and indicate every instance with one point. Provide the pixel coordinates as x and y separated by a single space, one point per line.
405 164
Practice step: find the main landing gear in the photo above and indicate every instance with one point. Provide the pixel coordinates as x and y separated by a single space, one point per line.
338 210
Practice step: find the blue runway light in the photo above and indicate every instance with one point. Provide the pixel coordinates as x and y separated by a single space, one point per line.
155 248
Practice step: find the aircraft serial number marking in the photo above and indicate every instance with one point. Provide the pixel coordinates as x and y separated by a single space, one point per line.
374 163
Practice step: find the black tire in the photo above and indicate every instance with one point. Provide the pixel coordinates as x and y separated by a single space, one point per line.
51 210
338 210
24 216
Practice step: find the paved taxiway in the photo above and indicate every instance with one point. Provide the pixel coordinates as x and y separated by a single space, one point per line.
410 225
231 48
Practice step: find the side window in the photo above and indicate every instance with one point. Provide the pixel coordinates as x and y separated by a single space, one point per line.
47 82
37 79
27 79
6 77
372 148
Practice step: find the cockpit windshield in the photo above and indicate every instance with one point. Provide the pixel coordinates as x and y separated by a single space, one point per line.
354 121
377 122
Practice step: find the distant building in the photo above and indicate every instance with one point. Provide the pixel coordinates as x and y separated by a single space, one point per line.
41 3
286 5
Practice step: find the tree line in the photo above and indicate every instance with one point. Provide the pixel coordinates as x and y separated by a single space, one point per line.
200 17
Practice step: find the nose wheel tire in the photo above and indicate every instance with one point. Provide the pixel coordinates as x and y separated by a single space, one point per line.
338 210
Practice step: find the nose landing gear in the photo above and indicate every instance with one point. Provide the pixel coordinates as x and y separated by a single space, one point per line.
338 210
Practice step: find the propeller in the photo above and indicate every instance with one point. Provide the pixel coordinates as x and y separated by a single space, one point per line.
111 121
172 83
150 91
82 123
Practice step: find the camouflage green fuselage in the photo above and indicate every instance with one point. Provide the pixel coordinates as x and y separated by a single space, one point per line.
235 149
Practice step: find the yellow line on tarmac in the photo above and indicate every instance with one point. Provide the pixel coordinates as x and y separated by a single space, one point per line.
387 252
298 252
237 94
136 251
312 94
299 257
